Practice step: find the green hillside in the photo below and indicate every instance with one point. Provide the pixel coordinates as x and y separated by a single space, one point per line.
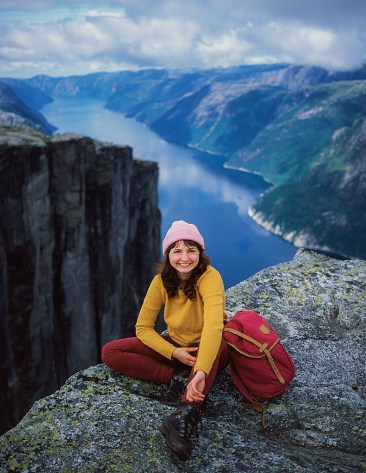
286 149
326 206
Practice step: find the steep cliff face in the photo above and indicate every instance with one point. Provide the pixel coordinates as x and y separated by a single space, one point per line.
79 235
101 421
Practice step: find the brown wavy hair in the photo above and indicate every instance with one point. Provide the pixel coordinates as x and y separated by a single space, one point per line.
170 277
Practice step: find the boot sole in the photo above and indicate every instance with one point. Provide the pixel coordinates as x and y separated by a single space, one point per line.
172 446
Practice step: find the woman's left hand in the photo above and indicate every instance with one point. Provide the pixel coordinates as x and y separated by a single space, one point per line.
196 386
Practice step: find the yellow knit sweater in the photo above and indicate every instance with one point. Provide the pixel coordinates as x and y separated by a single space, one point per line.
189 322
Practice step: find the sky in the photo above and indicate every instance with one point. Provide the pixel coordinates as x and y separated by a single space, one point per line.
77 37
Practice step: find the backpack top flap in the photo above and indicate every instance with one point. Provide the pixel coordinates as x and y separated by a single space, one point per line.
253 326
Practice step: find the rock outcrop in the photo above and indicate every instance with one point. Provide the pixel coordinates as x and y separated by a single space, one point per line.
79 237
100 421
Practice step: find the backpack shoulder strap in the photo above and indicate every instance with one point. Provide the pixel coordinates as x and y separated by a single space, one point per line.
258 408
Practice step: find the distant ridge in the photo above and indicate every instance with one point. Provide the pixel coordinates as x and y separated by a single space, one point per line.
290 123
20 108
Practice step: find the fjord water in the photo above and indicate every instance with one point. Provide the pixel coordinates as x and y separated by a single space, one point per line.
193 186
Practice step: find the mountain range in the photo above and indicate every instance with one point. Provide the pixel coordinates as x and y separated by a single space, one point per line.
301 127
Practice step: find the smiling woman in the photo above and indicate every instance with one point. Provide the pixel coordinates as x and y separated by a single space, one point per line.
184 258
193 351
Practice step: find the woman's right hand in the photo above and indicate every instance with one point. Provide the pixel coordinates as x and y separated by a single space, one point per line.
183 354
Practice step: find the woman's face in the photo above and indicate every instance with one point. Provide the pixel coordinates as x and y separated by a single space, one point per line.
184 258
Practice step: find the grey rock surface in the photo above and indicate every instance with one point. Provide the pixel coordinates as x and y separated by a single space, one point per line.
101 421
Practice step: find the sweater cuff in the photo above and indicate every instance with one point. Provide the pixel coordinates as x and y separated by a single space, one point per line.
203 365
168 351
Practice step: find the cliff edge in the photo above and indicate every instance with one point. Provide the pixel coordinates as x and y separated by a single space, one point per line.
100 421
74 214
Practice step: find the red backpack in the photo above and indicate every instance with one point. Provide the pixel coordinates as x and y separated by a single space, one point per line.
259 365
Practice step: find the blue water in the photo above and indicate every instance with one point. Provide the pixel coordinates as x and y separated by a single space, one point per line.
193 186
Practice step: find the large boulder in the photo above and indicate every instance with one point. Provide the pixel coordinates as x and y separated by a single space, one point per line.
101 421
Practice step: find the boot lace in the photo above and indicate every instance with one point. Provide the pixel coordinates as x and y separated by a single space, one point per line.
188 419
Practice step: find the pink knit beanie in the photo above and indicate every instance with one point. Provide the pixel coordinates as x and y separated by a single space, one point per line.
181 230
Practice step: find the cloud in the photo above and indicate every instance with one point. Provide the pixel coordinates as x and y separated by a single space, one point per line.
77 37
325 13
96 13
229 48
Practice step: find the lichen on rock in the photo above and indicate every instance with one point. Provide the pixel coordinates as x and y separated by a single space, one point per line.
101 421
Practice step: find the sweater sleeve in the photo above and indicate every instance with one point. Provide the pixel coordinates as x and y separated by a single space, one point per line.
211 289
145 325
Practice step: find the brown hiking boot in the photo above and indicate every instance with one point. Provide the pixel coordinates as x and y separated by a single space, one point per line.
179 380
177 428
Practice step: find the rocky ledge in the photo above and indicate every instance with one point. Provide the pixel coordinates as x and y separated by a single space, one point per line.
100 421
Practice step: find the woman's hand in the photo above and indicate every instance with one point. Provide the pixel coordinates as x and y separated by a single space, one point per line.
196 386
183 354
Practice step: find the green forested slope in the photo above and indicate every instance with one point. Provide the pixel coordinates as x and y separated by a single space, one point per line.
326 207
286 149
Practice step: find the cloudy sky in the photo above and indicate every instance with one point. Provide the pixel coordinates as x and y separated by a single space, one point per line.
61 38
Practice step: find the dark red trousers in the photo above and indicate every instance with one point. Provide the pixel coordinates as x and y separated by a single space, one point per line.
133 358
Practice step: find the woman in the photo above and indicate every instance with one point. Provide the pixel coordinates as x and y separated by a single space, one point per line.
193 351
